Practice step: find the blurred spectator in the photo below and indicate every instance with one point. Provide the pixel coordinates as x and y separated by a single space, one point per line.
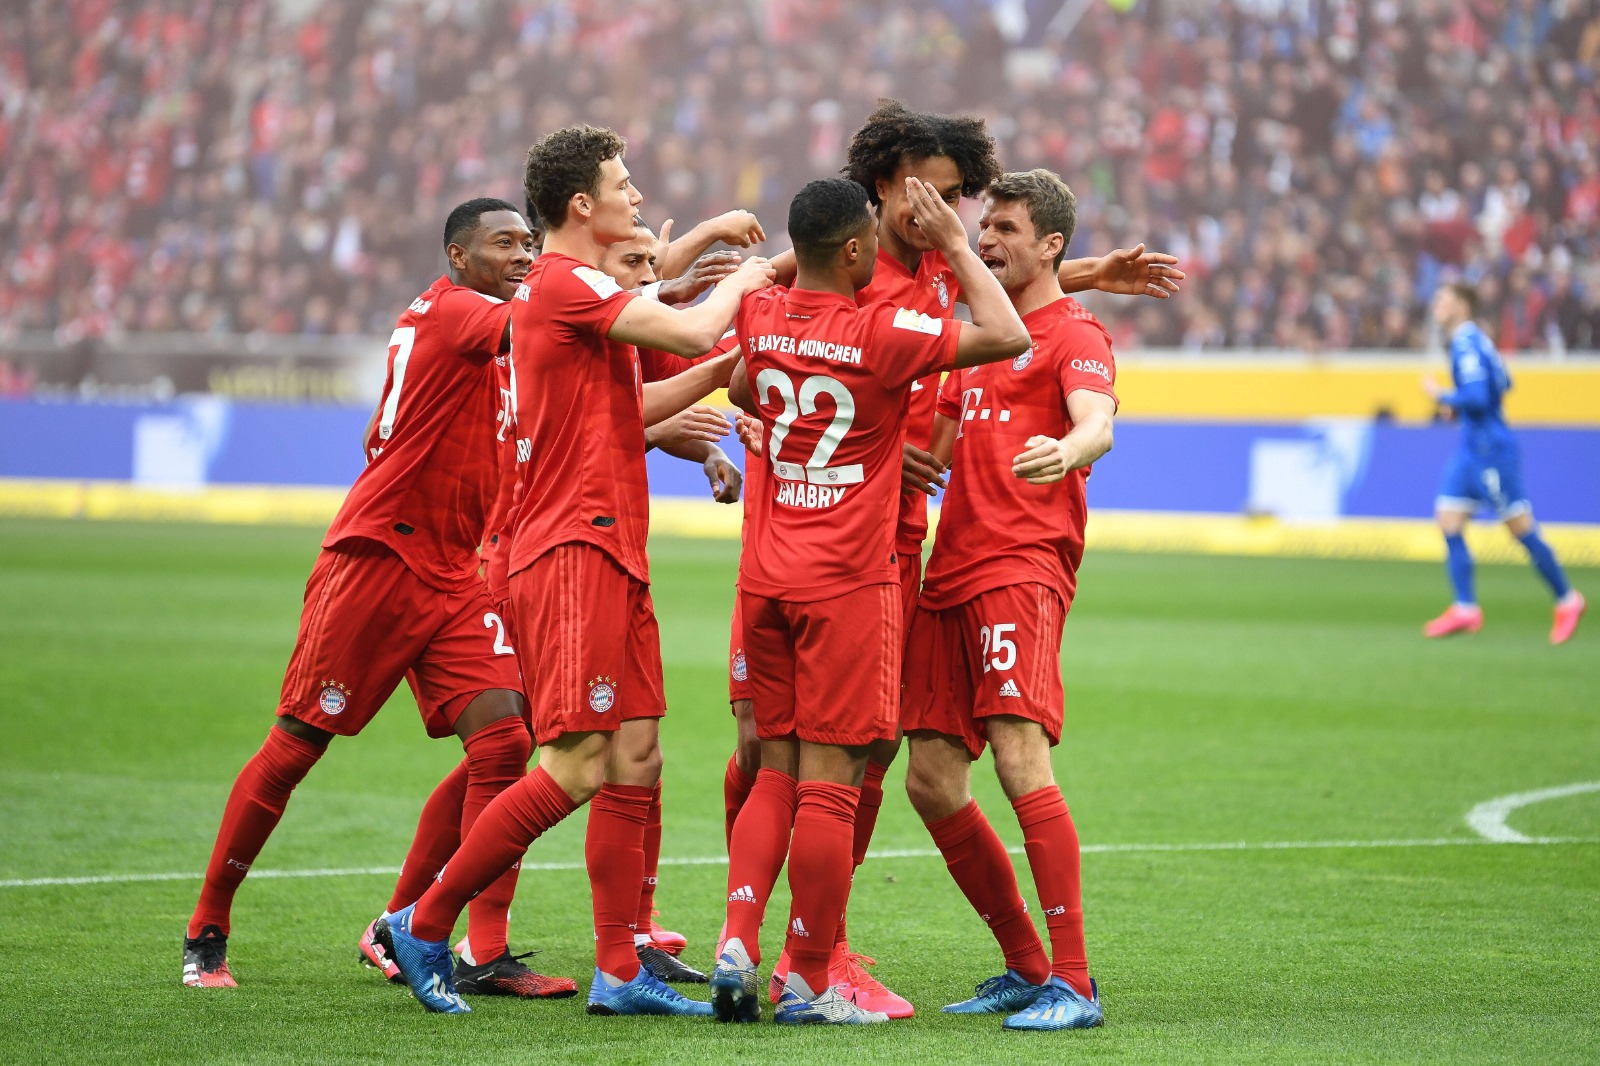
1322 165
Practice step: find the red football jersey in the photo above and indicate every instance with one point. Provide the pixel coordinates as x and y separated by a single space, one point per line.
933 290
830 380
580 418
995 529
496 548
432 467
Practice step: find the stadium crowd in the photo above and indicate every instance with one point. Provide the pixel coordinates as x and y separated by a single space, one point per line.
1319 165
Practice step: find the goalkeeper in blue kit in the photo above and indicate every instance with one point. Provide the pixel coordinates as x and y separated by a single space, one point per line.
1485 471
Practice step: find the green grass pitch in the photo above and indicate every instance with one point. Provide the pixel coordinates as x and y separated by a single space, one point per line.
1210 700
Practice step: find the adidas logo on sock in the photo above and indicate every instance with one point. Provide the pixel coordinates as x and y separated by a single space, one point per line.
743 894
798 928
1009 688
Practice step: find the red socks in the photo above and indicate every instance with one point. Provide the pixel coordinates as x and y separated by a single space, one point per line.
982 869
438 836
866 822
497 758
756 851
512 821
736 786
819 875
1052 844
652 865
260 793
614 853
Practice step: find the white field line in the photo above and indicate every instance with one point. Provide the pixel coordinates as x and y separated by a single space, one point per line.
905 853
1488 819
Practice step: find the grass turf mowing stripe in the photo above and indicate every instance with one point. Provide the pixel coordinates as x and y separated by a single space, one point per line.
899 853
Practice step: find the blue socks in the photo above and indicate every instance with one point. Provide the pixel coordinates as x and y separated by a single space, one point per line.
1459 563
1544 561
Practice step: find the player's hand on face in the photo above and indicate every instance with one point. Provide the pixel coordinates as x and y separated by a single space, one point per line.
698 423
704 273
921 470
1137 272
738 228
725 479
937 219
749 427
1044 462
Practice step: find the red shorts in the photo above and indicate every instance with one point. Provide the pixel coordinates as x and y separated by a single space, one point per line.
998 653
910 585
738 662
830 670
587 638
369 621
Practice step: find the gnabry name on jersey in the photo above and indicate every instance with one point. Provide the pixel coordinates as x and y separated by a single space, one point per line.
809 346
801 494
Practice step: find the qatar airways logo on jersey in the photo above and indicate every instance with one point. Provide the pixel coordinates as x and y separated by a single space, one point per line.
419 306
521 293
809 347
813 497
1092 366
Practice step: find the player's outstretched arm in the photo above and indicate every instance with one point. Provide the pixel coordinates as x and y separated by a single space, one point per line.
692 331
1128 271
1047 460
663 399
701 275
995 331
739 388
740 229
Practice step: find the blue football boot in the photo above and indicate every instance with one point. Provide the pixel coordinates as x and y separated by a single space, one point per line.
645 994
1058 1007
1005 994
427 965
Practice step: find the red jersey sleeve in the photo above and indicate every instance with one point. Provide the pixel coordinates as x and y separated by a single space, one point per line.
905 345
949 402
1087 362
475 321
588 299
659 366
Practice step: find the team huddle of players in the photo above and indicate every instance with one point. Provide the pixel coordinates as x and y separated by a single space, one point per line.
492 554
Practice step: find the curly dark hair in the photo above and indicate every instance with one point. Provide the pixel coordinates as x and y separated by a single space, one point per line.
565 163
894 134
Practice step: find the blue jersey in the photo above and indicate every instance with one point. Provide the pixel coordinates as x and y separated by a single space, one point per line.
1481 382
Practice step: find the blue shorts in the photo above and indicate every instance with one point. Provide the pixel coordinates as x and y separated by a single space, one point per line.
1493 481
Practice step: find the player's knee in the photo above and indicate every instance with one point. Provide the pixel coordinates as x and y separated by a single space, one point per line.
1021 756
933 794
884 752
747 755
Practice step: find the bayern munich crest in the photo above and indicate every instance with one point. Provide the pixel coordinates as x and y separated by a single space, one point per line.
602 695
740 670
1021 361
334 698
944 292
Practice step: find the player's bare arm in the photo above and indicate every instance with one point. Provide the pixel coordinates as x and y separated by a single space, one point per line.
1127 271
739 229
943 442
705 272
663 399
1047 460
739 394
995 332
921 471
693 331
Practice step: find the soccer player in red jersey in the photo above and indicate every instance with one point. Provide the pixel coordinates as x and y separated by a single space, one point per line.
486 965
955 154
395 591
585 626
983 657
818 573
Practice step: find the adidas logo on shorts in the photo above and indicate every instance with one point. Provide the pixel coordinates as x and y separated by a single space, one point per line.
798 928
1009 688
744 894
